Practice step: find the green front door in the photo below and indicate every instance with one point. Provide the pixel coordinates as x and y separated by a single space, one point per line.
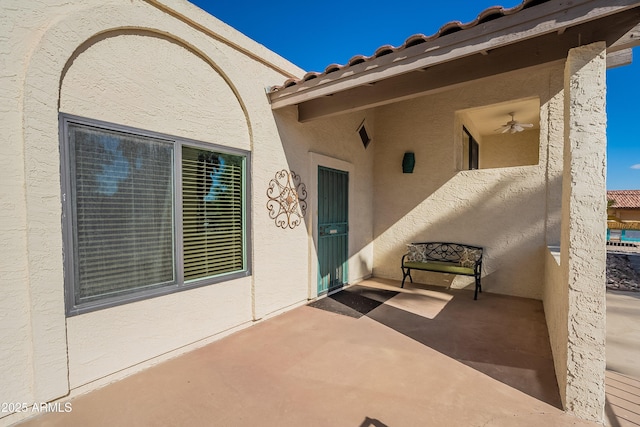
333 228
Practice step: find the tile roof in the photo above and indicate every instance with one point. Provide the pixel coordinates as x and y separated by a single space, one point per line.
624 199
487 15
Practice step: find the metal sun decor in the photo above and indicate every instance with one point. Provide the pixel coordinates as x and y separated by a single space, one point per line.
287 199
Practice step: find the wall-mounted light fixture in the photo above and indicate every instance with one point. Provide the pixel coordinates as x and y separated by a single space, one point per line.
408 162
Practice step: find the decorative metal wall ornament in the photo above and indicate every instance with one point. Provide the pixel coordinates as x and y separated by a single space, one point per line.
287 199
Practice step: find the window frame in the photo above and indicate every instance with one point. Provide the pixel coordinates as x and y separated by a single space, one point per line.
474 151
178 284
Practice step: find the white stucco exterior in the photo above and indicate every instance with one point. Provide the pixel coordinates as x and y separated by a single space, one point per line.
172 69
168 67
135 65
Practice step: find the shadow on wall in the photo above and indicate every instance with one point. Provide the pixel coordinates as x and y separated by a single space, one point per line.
504 213
503 209
334 137
295 151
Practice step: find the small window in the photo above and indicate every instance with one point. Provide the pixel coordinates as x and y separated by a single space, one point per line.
123 202
364 135
471 150
631 235
615 235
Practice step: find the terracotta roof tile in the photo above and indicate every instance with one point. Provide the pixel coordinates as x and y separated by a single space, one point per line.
486 15
624 199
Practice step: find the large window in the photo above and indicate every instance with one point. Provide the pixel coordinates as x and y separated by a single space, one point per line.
147 214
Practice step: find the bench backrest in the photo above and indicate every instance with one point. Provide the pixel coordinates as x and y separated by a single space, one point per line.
465 255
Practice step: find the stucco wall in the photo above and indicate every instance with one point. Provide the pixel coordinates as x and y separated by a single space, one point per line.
626 214
501 209
335 143
555 295
556 307
131 63
32 322
143 79
507 150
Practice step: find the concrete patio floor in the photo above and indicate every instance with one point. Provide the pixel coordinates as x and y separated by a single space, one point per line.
373 355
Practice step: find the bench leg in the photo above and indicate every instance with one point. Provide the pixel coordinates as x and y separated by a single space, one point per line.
478 288
406 274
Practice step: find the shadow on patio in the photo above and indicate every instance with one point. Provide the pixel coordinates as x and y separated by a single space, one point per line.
373 355
501 336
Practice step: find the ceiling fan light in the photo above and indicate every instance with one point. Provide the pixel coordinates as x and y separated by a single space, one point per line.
513 126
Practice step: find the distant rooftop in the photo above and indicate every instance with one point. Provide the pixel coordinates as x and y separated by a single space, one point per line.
624 199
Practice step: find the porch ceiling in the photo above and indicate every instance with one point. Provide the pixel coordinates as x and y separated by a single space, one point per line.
488 119
533 37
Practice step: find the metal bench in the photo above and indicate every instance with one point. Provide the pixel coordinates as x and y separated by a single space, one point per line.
441 257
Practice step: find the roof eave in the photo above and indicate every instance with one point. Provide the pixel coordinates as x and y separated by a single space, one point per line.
555 16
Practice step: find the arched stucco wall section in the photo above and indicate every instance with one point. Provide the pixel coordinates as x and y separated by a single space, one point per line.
146 80
46 55
182 94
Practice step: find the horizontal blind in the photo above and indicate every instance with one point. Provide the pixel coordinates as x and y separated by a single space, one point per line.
212 204
122 197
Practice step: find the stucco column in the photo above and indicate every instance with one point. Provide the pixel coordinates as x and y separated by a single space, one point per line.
583 237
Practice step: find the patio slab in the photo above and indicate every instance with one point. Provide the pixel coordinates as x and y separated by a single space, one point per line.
374 355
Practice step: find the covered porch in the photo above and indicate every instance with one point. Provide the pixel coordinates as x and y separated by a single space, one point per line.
534 200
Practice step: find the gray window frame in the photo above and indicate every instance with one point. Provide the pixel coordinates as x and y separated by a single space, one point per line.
179 284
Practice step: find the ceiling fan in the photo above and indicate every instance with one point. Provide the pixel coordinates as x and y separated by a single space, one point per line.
513 126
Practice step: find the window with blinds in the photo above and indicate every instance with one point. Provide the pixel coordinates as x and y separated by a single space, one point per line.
212 213
122 191
122 203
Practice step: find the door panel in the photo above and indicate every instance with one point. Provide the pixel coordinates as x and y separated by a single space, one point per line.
333 228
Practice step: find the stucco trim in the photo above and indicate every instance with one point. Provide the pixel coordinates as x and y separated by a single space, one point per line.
185 13
117 31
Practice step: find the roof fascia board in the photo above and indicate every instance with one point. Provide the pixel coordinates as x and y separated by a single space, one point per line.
619 58
553 16
402 89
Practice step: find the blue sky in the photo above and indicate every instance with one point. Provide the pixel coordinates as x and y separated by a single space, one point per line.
313 35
